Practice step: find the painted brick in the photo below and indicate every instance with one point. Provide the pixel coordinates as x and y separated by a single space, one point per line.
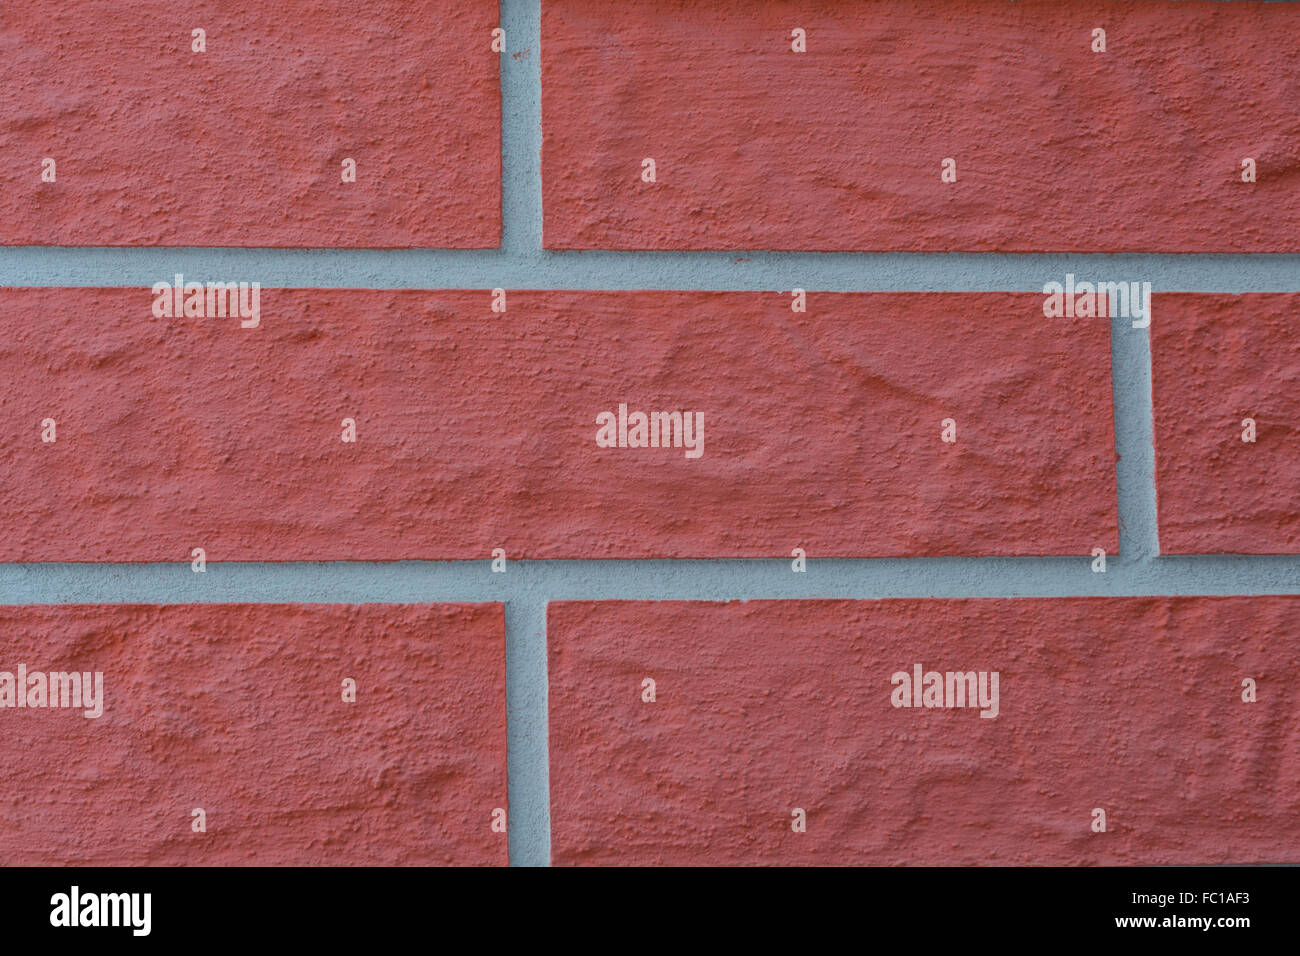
1132 705
478 430
243 145
238 709
1139 148
1218 360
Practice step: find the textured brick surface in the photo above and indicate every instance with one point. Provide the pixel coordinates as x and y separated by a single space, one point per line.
1133 705
237 709
477 431
242 145
1216 361
839 148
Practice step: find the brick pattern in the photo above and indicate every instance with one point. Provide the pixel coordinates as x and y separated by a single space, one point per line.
238 710
244 144
1226 384
140 424
1129 705
822 429
1055 147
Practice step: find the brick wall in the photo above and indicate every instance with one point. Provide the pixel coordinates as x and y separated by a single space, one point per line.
669 433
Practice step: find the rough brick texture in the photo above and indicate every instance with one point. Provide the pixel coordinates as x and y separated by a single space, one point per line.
243 145
1131 705
237 709
475 430
1218 360
840 148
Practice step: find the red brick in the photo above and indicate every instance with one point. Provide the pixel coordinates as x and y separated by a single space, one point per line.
1216 361
156 145
1133 705
478 431
839 148
237 709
